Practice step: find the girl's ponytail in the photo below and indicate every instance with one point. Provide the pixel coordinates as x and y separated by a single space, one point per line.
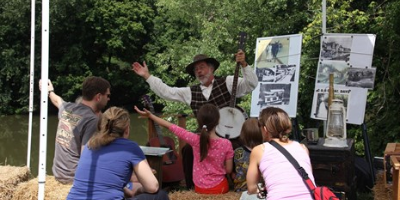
204 142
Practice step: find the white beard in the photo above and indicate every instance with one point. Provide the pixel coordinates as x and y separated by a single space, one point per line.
205 79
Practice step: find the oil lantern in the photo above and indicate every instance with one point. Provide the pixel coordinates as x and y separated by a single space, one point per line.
336 127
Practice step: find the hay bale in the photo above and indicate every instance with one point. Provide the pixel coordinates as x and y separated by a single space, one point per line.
191 195
54 190
380 191
10 177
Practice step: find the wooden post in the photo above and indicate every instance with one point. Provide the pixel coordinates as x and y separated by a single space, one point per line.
331 94
181 123
151 128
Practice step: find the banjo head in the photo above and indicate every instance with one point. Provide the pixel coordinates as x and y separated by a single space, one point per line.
230 123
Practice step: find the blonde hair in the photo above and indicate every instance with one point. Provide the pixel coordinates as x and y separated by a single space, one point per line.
112 124
276 122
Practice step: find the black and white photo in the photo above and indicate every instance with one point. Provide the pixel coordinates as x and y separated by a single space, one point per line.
266 74
320 104
361 77
285 73
339 70
272 51
336 48
273 94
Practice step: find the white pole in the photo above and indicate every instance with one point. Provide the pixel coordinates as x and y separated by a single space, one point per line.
323 16
31 83
44 99
323 32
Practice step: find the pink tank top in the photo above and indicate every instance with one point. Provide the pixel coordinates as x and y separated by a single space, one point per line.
281 179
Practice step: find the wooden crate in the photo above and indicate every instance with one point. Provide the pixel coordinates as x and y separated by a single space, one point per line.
334 167
391 149
395 162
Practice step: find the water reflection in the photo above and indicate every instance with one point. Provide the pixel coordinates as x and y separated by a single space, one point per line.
14 139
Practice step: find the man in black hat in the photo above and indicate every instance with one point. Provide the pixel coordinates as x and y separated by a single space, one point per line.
211 89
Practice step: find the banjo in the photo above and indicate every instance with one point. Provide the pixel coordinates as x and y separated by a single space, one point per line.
232 117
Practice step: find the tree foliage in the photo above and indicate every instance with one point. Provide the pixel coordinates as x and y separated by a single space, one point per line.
87 38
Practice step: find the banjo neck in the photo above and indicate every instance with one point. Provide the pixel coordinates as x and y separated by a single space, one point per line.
232 102
242 40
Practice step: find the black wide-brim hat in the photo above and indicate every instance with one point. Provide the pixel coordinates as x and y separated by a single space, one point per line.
199 58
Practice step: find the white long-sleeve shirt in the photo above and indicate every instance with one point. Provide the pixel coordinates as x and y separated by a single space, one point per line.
184 95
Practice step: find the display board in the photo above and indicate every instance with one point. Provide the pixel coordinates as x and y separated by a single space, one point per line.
277 66
349 58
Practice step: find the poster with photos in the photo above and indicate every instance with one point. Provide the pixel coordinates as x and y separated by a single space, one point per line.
277 66
348 57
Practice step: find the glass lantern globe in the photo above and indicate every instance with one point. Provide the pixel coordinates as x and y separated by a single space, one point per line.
336 127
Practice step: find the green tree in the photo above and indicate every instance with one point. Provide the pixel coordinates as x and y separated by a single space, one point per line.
101 39
382 106
87 37
14 63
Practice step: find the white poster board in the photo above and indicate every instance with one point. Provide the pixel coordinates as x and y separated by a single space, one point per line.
349 58
277 65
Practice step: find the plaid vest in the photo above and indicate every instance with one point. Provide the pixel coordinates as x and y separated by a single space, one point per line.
219 97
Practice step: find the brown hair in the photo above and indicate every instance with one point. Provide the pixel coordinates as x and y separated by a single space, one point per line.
112 124
207 119
250 134
276 122
94 85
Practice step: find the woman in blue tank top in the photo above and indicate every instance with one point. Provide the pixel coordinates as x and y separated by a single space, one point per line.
108 161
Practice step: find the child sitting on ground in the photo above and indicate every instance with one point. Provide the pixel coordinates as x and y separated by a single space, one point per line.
213 156
250 136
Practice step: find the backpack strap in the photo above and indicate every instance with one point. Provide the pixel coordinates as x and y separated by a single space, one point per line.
310 185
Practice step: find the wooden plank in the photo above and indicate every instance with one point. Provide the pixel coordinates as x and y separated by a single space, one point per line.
391 148
394 160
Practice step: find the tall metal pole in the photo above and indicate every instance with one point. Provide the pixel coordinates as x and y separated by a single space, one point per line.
323 16
44 99
367 151
31 83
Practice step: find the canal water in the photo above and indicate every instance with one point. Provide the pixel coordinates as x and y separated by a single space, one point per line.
14 139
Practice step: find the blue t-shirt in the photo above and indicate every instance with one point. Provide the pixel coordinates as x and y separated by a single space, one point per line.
103 173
